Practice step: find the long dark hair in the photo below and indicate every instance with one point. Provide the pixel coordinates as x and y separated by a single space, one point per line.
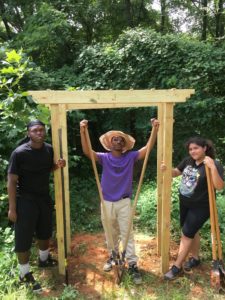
210 150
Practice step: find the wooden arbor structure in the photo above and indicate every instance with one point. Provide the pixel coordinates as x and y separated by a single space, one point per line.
60 102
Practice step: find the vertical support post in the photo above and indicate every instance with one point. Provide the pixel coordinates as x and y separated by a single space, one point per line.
166 187
58 119
63 125
159 177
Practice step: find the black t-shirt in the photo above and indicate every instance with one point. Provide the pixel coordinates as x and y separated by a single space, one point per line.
193 187
33 167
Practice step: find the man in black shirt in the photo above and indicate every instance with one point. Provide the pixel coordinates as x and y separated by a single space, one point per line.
30 205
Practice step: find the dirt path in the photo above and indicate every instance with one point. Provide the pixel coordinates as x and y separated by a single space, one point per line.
89 254
87 277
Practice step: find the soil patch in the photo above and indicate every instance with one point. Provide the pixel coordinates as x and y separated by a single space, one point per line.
89 253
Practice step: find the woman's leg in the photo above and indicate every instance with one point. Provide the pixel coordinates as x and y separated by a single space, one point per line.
195 246
185 247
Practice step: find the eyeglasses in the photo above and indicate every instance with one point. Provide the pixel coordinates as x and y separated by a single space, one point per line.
118 139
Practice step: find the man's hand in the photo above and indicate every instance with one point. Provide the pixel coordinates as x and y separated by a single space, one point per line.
61 163
83 125
12 215
155 123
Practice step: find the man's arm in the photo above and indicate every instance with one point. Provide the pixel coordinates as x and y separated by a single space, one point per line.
142 151
83 127
11 186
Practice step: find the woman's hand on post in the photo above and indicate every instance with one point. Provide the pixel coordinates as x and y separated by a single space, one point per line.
163 166
209 162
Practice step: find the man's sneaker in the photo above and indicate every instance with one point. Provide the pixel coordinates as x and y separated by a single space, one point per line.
30 282
108 265
191 263
173 273
49 262
135 274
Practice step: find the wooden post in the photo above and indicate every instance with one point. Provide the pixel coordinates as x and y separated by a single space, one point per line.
58 120
166 188
63 125
59 101
159 177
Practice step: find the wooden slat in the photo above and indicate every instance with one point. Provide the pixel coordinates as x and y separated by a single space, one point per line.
167 179
58 189
73 106
159 177
107 97
63 125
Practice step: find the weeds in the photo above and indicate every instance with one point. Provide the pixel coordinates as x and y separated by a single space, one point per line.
88 219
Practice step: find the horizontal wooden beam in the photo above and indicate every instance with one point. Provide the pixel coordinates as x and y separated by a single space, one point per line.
111 98
73 106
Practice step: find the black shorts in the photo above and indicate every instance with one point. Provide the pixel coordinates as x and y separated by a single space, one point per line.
192 219
34 217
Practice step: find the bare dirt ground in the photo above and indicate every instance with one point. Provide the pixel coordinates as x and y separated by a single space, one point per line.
89 254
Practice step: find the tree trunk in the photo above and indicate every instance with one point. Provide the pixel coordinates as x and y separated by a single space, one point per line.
219 20
204 19
4 20
128 13
163 16
20 22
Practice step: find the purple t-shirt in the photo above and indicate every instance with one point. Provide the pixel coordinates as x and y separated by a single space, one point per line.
117 174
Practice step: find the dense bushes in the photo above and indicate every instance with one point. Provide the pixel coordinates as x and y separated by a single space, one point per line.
143 59
139 59
16 109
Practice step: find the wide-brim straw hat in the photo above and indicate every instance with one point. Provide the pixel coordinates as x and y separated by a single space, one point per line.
106 140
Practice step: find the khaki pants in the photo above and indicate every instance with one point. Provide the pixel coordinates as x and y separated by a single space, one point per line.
118 214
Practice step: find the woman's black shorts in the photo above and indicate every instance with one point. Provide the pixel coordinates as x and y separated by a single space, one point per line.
34 217
192 219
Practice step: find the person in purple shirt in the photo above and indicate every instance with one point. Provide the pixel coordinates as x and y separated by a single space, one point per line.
116 183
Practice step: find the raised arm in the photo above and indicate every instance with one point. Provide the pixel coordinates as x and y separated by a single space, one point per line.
217 180
11 186
83 125
142 151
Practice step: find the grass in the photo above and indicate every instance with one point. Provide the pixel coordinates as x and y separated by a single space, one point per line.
153 287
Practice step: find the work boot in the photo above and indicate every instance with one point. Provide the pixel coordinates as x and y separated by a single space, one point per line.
173 273
191 263
108 265
134 273
31 283
48 263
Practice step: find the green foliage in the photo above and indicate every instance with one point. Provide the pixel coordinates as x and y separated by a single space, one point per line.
16 107
16 110
40 37
69 293
143 59
8 262
147 208
85 205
